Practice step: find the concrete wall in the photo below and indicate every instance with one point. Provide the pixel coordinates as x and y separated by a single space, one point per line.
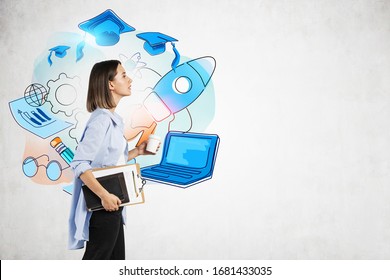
302 109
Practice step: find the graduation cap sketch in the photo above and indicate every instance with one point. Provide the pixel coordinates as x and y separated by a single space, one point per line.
106 28
155 44
59 51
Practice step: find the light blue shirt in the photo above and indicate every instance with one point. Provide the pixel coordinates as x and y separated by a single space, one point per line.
100 145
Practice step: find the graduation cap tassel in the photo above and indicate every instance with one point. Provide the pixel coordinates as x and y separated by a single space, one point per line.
79 50
176 60
49 59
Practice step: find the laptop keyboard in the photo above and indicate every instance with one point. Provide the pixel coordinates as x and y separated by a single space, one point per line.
176 172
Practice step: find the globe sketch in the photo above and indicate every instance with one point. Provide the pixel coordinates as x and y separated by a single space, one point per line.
35 95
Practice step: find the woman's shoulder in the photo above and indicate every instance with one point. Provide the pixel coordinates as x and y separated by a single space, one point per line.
100 117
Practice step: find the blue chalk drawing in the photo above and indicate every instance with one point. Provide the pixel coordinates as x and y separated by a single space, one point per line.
106 28
59 51
36 120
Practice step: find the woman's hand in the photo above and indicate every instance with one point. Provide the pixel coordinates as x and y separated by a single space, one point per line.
110 202
142 149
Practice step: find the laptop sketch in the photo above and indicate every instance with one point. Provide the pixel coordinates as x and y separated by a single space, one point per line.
187 159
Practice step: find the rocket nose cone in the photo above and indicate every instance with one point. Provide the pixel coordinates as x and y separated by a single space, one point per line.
205 67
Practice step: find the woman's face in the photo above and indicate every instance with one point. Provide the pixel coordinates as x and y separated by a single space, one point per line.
121 84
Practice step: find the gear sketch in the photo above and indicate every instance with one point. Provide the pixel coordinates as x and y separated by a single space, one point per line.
64 94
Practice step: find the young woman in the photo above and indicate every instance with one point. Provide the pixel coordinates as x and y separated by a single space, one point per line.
102 144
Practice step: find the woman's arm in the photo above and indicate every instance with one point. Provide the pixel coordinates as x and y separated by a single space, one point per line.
110 201
86 152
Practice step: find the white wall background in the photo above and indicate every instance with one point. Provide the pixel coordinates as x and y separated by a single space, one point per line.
303 112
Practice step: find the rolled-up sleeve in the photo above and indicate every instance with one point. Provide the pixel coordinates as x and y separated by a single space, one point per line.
89 145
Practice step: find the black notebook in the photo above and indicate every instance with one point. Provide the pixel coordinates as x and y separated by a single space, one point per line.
113 183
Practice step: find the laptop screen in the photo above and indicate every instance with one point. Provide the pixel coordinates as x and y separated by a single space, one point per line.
187 151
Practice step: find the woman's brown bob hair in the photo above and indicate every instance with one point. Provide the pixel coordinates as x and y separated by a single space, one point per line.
99 95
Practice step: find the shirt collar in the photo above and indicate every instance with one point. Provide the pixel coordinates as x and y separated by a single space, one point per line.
116 118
